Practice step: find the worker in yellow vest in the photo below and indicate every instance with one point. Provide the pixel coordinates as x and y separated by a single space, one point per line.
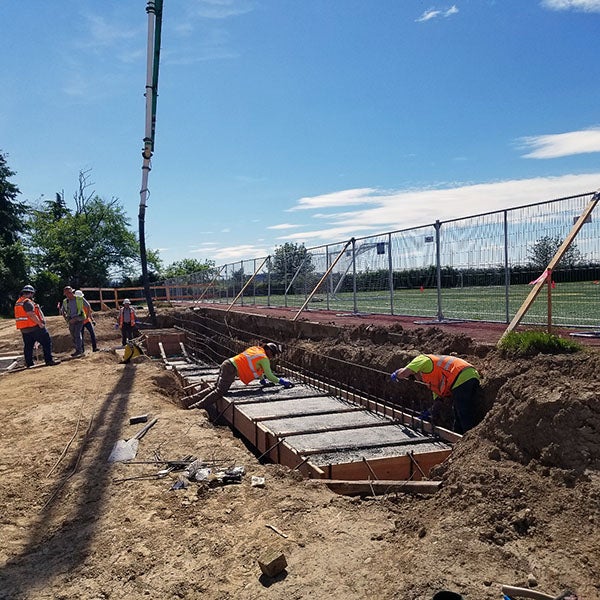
447 377
252 363
74 310
31 323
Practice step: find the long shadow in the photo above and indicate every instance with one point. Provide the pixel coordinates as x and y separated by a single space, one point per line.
44 556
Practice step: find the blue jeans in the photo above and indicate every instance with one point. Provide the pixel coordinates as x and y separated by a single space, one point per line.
90 328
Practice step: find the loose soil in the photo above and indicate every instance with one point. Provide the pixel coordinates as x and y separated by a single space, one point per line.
519 502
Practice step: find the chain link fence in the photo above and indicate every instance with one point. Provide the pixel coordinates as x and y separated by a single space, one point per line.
474 268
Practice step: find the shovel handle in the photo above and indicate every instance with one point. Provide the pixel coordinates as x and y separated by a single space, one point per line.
518 592
142 432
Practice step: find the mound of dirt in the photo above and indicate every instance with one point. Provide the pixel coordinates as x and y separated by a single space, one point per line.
519 502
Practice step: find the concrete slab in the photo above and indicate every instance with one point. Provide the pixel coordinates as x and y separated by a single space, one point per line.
324 422
260 411
350 439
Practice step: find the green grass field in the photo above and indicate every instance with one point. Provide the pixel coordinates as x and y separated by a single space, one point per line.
573 304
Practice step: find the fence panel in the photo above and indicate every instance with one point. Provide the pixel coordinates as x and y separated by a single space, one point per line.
474 268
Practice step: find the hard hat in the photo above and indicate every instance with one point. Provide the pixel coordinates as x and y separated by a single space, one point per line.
127 301
67 288
28 288
273 348
79 293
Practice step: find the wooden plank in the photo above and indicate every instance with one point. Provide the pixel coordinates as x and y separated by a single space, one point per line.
379 487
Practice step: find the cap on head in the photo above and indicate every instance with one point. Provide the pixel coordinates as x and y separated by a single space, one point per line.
79 293
127 301
28 289
67 288
274 349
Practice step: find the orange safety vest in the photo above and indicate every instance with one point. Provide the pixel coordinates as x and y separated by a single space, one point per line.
246 364
22 316
445 371
131 316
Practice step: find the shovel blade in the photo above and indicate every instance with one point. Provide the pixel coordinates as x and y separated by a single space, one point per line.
124 450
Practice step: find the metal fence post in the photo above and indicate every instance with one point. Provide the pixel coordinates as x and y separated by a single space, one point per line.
438 268
506 269
391 270
354 274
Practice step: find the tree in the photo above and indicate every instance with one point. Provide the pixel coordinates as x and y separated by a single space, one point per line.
201 272
84 246
543 251
13 261
290 259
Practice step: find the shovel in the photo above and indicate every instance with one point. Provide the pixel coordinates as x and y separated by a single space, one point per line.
127 449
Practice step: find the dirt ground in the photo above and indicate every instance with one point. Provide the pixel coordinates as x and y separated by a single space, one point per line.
519 502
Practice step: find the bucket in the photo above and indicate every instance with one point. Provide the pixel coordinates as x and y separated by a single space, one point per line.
446 595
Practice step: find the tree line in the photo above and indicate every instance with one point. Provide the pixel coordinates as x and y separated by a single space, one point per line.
84 243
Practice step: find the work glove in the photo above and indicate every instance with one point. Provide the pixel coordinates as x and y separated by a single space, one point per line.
285 383
393 376
266 383
425 415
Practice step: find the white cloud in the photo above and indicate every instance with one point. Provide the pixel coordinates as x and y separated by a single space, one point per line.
283 226
391 211
577 5
433 13
343 198
243 251
562 144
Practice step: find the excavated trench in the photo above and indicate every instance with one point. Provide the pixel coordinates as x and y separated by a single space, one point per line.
341 420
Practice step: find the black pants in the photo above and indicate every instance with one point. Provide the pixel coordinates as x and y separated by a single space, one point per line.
32 336
126 333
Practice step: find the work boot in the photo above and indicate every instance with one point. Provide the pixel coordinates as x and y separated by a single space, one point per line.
53 363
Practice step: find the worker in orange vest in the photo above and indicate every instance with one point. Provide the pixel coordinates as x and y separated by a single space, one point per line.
252 363
31 323
447 377
126 321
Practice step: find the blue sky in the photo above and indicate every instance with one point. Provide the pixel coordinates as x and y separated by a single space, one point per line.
303 120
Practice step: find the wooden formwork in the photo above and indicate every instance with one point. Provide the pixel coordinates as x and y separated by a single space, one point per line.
308 429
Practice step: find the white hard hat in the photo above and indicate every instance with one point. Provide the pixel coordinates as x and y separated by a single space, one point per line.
127 301
79 293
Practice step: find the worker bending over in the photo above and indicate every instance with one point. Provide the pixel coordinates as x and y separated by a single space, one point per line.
252 363
447 377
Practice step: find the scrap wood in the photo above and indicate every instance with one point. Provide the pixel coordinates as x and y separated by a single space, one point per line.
518 592
381 486
276 530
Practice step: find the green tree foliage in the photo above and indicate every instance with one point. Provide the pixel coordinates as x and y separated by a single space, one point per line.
544 250
201 271
13 261
289 260
84 246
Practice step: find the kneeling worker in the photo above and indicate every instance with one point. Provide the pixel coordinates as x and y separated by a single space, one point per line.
252 363
447 377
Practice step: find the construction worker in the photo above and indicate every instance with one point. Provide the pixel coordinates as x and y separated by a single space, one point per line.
88 323
126 321
447 377
31 323
74 311
253 363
